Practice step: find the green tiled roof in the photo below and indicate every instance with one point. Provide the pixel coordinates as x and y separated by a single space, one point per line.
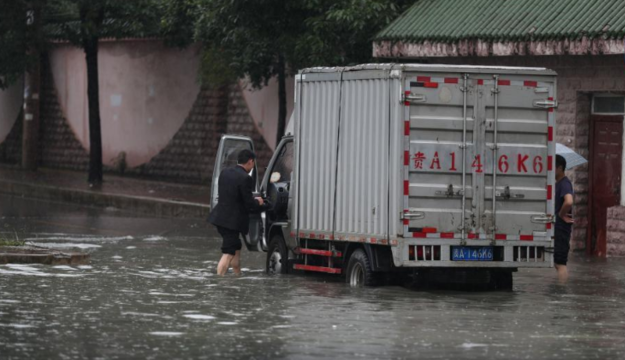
507 20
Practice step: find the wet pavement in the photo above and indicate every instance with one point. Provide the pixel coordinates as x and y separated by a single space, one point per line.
150 292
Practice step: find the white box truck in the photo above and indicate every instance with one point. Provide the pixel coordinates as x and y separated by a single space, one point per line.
446 172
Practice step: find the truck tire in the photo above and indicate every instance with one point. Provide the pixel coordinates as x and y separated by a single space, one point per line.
359 270
277 256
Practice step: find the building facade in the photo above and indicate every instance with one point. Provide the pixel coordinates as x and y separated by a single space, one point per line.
584 43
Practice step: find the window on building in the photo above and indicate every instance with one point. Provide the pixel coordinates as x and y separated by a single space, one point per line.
608 104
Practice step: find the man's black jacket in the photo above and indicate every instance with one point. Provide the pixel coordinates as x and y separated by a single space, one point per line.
236 200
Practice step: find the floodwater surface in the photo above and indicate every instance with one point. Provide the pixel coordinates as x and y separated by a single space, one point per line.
150 292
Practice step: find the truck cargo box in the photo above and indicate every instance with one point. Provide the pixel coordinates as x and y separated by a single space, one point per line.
437 162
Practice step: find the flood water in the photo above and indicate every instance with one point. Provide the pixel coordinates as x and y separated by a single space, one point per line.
151 293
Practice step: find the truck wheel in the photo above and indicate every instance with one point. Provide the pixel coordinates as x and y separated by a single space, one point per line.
277 256
359 270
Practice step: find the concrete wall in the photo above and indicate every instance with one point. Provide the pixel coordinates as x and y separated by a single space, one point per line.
263 107
578 78
146 91
152 109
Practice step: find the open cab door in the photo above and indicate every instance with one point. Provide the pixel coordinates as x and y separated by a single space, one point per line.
229 148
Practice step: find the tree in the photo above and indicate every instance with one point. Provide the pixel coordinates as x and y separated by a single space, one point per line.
83 23
16 37
263 39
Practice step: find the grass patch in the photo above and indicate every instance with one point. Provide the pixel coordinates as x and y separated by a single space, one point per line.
11 240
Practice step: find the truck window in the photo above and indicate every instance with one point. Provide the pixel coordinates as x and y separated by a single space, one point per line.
283 167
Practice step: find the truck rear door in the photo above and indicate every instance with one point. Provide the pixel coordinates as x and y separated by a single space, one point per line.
479 149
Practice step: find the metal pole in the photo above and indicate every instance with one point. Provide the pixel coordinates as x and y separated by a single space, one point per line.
32 84
495 147
465 89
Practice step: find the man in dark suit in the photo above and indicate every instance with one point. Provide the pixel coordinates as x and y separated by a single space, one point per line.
231 214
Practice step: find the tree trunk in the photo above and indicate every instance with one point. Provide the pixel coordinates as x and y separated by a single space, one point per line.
281 98
93 97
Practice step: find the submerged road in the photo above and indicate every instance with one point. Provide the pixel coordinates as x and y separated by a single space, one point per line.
150 292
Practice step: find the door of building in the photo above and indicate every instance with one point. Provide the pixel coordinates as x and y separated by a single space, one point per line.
605 172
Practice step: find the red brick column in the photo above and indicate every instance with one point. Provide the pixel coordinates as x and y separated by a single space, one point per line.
616 231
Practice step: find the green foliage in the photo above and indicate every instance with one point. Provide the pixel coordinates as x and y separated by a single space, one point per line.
17 35
250 35
341 31
11 239
79 20
177 22
75 21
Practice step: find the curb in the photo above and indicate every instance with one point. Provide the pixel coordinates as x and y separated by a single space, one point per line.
135 204
28 255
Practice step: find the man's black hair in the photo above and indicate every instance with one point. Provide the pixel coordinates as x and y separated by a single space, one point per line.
245 156
560 161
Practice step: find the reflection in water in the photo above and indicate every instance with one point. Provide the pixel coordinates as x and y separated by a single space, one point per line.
157 297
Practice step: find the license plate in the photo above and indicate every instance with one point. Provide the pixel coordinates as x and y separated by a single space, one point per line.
472 253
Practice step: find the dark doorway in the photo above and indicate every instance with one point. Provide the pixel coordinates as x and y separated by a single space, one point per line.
606 149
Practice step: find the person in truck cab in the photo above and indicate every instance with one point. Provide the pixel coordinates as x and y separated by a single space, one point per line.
231 214
564 219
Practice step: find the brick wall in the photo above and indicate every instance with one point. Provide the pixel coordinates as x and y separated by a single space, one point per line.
58 146
616 231
11 147
189 157
578 78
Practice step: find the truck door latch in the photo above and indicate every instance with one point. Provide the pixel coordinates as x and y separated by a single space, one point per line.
546 104
412 215
541 219
413 98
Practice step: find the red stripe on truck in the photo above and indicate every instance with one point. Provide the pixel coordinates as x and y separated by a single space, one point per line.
503 82
447 235
550 133
530 83
526 238
407 128
549 188
451 80
406 187
424 79
406 158
501 237
550 163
